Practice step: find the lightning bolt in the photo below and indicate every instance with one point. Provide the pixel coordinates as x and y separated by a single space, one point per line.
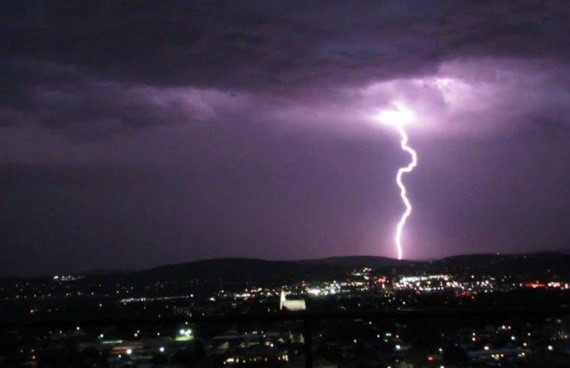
403 192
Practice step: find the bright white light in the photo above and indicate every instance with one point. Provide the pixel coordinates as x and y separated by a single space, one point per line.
397 118
161 349
314 291
129 351
399 115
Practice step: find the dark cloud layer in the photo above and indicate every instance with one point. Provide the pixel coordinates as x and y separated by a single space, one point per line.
177 130
82 59
280 44
250 45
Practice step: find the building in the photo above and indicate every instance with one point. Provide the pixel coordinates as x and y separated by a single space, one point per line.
291 305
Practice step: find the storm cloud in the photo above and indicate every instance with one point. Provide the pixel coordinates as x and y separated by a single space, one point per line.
102 54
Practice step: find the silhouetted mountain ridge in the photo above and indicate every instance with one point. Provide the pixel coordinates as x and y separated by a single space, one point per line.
353 262
243 269
532 265
248 269
542 264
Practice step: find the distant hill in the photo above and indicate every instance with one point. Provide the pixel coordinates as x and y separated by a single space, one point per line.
535 265
354 262
244 269
532 265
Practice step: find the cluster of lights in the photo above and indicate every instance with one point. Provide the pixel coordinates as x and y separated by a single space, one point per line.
184 334
65 278
243 360
155 299
543 285
465 287
425 283
497 356
330 289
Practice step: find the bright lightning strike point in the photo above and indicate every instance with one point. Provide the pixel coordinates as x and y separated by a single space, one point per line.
398 118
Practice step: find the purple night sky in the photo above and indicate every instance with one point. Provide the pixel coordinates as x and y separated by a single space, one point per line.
139 133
